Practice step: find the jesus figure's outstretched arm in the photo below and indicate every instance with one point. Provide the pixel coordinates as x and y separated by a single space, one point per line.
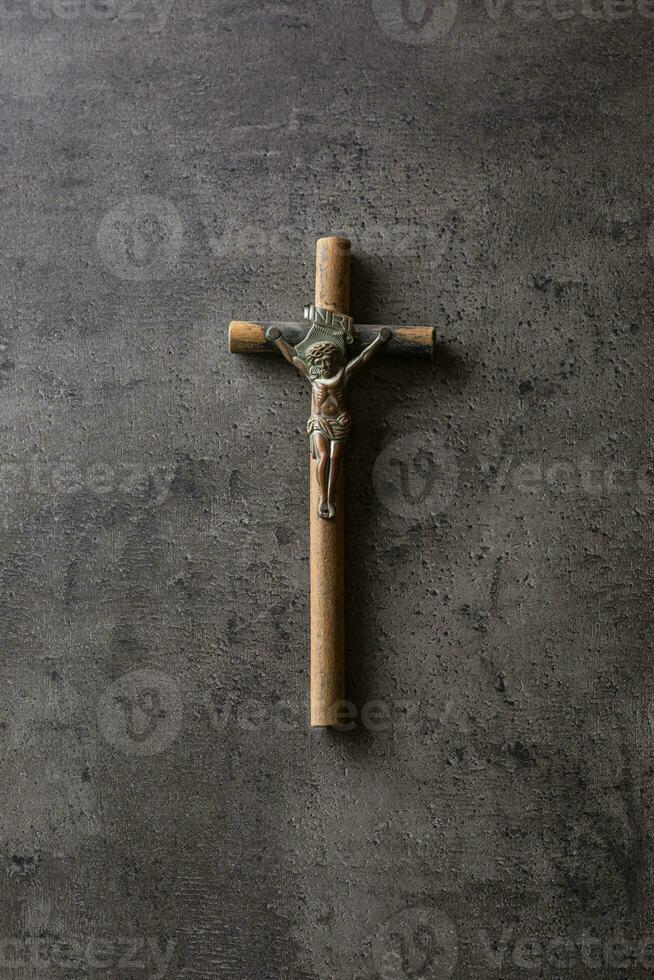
276 338
367 352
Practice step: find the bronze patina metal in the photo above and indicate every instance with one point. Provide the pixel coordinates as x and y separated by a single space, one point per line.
321 357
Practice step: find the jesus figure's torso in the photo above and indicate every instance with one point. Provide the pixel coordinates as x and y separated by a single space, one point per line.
327 395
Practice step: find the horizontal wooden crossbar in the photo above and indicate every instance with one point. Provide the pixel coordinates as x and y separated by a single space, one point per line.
249 337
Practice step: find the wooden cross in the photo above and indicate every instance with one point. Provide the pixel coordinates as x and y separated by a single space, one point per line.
319 350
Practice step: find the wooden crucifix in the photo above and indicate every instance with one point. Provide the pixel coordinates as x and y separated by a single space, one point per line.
319 350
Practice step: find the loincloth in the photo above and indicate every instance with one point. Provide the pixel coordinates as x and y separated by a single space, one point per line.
336 428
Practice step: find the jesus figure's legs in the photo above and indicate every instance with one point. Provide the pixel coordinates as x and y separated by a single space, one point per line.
321 451
334 469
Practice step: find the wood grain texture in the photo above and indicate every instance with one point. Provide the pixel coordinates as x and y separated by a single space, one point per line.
248 337
327 538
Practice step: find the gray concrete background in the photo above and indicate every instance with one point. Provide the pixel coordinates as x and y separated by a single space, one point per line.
166 809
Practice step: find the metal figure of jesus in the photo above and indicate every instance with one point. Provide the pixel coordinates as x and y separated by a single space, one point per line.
325 367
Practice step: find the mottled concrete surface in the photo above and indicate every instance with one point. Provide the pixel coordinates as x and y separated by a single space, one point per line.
166 811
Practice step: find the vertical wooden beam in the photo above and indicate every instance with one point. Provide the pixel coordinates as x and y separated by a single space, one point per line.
327 537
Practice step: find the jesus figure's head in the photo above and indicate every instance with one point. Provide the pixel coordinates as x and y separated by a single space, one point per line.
324 359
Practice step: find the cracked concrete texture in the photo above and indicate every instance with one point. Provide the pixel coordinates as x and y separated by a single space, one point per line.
166 809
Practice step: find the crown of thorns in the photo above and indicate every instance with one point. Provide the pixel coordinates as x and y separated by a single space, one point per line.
317 351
